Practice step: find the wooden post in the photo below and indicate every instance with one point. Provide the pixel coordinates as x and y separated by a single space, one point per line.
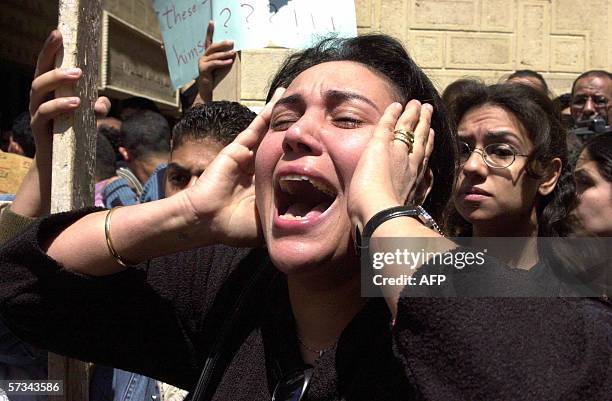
227 83
74 148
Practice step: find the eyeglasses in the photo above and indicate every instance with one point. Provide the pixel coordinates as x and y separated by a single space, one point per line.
495 155
293 386
598 101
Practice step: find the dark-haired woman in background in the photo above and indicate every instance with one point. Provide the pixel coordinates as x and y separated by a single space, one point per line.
593 175
514 179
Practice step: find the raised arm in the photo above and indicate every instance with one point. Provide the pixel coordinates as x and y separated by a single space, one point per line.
220 208
217 59
34 194
393 172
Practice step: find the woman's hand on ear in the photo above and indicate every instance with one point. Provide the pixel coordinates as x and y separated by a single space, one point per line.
391 172
224 195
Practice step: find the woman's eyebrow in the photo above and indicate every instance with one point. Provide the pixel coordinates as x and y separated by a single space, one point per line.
295 100
337 97
503 135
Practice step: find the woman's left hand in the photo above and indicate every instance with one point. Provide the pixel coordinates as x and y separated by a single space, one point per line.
389 172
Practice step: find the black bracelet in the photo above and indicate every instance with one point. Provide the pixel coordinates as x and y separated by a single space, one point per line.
363 241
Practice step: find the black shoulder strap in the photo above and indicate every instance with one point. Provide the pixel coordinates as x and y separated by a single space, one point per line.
280 340
233 329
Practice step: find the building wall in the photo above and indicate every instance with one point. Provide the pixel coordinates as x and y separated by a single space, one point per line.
488 39
450 39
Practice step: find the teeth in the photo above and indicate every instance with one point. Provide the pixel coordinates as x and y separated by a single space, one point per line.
321 186
289 216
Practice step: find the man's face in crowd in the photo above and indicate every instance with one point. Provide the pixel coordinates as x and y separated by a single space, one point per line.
592 96
188 161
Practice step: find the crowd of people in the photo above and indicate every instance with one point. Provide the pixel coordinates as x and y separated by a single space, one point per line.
233 271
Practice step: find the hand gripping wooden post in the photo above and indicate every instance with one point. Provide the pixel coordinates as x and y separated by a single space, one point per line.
74 149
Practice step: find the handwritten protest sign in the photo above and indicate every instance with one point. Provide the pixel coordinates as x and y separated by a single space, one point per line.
13 169
251 24
241 21
183 26
299 23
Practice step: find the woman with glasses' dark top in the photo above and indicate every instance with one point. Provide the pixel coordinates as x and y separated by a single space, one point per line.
343 147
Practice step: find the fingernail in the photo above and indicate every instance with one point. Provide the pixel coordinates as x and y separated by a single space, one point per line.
429 106
73 101
73 72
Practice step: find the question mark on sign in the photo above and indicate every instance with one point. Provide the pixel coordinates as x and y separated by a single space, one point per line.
251 13
229 15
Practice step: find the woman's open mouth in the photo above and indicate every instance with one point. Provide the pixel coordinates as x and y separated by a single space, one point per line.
301 200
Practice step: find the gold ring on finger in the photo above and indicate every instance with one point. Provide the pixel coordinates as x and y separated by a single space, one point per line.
404 136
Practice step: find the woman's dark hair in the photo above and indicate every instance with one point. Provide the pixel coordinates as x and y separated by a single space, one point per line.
105 158
387 57
456 88
600 151
536 113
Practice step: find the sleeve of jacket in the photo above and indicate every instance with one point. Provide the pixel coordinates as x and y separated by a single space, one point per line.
144 319
12 224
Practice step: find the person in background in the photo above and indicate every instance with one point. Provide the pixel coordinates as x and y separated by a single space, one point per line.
132 105
562 105
456 88
109 122
592 96
198 137
21 140
512 153
114 137
593 175
529 78
105 167
145 149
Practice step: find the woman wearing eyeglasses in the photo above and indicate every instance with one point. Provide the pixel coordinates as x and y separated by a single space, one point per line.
346 146
514 179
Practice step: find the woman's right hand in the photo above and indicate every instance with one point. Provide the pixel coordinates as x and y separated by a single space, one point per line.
224 195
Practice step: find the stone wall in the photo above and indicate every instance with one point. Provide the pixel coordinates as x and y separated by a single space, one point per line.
488 39
450 39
